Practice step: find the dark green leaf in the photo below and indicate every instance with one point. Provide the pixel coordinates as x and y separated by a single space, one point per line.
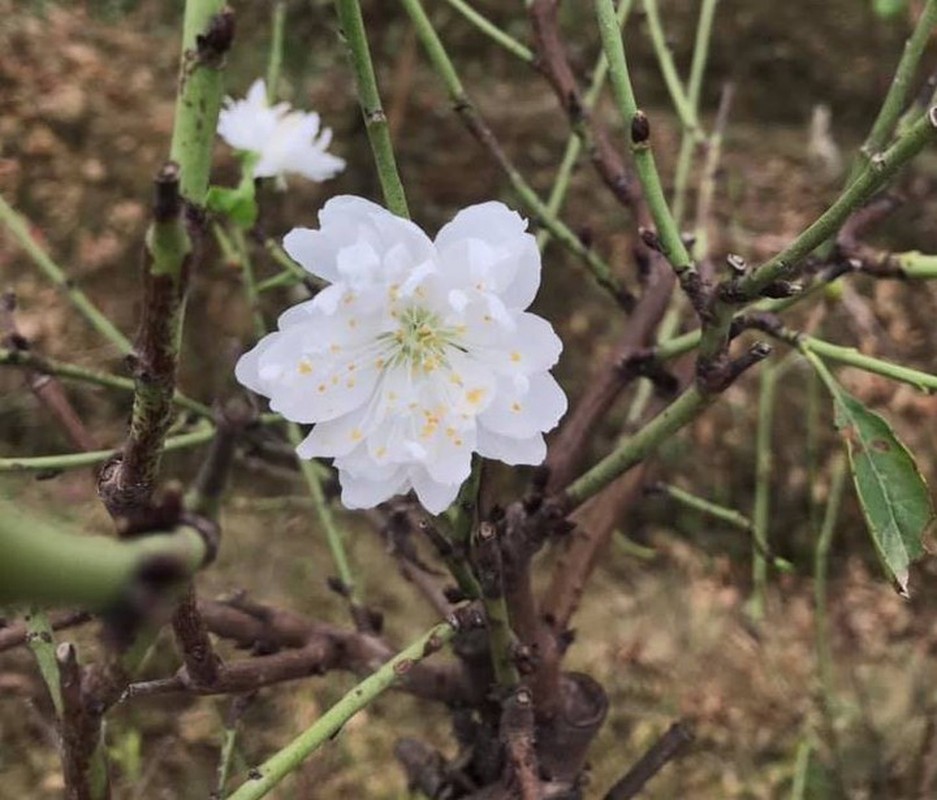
894 497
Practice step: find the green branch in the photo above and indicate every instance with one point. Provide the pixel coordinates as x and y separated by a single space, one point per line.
275 62
897 98
917 266
206 37
40 639
728 515
764 457
43 565
875 175
287 760
636 122
493 32
49 366
685 107
19 227
349 15
93 457
788 263
694 85
850 356
633 450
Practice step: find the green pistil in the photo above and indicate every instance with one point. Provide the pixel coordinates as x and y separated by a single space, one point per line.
421 340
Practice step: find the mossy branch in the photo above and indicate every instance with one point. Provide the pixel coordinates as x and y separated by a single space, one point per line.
45 565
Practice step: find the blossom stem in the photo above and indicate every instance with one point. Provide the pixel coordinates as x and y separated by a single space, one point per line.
493 32
287 760
250 285
486 558
478 127
636 448
275 63
464 519
333 535
574 142
19 227
672 245
349 14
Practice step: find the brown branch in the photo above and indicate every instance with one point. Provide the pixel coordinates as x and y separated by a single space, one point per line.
47 388
670 746
126 484
396 527
860 256
596 523
202 665
80 729
517 734
264 628
569 447
554 63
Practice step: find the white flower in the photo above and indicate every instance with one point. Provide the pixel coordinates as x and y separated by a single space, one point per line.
283 140
419 353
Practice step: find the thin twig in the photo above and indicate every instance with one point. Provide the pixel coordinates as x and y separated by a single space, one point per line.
477 126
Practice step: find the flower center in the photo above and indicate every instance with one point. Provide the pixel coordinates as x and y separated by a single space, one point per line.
421 340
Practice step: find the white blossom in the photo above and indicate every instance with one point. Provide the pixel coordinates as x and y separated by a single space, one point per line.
282 140
418 353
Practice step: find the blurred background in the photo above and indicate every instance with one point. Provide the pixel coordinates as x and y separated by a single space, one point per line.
86 99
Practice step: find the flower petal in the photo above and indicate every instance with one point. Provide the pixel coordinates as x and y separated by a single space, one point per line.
434 496
360 492
508 265
523 407
530 450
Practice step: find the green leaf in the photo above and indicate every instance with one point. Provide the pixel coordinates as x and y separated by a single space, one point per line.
236 204
894 497
887 9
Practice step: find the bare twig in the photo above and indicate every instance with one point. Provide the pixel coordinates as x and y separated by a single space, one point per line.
670 746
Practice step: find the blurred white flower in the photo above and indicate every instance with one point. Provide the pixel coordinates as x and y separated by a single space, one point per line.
417 354
281 139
